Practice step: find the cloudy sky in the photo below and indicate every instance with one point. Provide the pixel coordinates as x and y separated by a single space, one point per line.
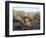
27 9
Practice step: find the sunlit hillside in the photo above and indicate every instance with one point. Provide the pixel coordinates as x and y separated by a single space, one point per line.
25 20
20 14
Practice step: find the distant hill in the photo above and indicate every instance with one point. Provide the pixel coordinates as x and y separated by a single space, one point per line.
20 14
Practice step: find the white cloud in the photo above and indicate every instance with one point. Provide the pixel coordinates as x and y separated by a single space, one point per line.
27 9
